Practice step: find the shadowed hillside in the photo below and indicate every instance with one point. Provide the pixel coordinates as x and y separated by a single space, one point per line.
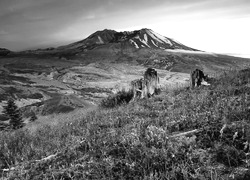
179 134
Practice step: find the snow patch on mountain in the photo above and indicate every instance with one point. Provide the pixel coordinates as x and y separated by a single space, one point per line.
137 37
100 40
144 42
146 38
134 43
158 37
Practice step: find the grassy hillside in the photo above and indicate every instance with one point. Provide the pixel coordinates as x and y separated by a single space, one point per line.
179 134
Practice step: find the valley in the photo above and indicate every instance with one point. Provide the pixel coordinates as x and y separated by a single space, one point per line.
76 86
79 75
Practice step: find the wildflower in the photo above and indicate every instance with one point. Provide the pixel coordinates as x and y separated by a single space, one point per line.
235 135
222 129
155 134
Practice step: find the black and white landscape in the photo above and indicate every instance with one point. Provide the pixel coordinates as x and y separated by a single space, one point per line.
68 68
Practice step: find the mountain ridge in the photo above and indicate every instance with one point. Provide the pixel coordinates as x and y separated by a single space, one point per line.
143 38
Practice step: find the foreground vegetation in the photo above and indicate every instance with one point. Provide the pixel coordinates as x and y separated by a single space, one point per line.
180 134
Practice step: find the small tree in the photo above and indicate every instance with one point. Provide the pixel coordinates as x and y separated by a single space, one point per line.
11 110
33 117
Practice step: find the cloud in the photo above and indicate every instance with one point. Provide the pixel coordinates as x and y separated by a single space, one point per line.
3 32
31 22
90 16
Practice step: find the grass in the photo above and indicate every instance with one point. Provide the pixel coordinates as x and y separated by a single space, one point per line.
141 140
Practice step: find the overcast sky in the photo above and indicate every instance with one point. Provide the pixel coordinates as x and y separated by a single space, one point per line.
221 26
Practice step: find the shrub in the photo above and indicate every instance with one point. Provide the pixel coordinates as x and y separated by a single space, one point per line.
229 155
33 117
12 111
122 97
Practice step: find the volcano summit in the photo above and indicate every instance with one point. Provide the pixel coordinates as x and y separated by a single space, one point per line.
144 38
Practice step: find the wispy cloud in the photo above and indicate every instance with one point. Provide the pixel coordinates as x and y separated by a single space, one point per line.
90 16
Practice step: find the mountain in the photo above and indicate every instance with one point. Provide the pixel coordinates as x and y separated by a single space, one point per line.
4 51
143 47
144 38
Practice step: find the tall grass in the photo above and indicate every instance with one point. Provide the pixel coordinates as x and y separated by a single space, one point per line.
141 140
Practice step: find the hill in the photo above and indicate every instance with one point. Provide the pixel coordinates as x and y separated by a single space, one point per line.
179 134
4 51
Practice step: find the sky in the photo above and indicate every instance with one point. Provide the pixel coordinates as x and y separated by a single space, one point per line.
220 26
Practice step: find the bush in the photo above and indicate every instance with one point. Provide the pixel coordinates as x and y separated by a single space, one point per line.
122 97
229 155
33 117
12 111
